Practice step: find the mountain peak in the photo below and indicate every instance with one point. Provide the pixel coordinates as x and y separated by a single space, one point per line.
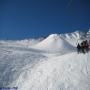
54 36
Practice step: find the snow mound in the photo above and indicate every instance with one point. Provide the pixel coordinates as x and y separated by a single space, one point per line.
54 43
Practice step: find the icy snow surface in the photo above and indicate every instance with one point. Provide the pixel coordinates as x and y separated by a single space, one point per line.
50 64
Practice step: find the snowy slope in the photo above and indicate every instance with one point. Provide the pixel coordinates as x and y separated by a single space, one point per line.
67 72
13 59
32 68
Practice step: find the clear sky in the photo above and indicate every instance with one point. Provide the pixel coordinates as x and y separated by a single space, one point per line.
20 19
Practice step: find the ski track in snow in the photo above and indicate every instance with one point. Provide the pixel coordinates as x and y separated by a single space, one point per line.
34 69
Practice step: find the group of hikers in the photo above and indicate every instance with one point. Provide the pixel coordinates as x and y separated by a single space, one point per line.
83 47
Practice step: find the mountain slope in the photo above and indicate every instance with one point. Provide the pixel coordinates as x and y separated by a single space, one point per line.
54 43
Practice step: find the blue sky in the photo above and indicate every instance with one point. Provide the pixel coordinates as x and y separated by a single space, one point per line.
20 19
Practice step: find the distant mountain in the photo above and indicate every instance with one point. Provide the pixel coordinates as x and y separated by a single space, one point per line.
74 37
25 42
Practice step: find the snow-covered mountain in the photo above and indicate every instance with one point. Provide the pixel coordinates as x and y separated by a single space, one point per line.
45 64
74 38
54 43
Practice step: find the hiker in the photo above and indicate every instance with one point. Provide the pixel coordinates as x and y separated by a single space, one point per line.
83 47
86 46
78 48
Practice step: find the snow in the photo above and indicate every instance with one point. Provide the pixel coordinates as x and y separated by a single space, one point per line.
68 72
50 64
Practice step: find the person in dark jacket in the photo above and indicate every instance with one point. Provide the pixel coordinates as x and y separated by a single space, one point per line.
83 47
78 48
86 46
